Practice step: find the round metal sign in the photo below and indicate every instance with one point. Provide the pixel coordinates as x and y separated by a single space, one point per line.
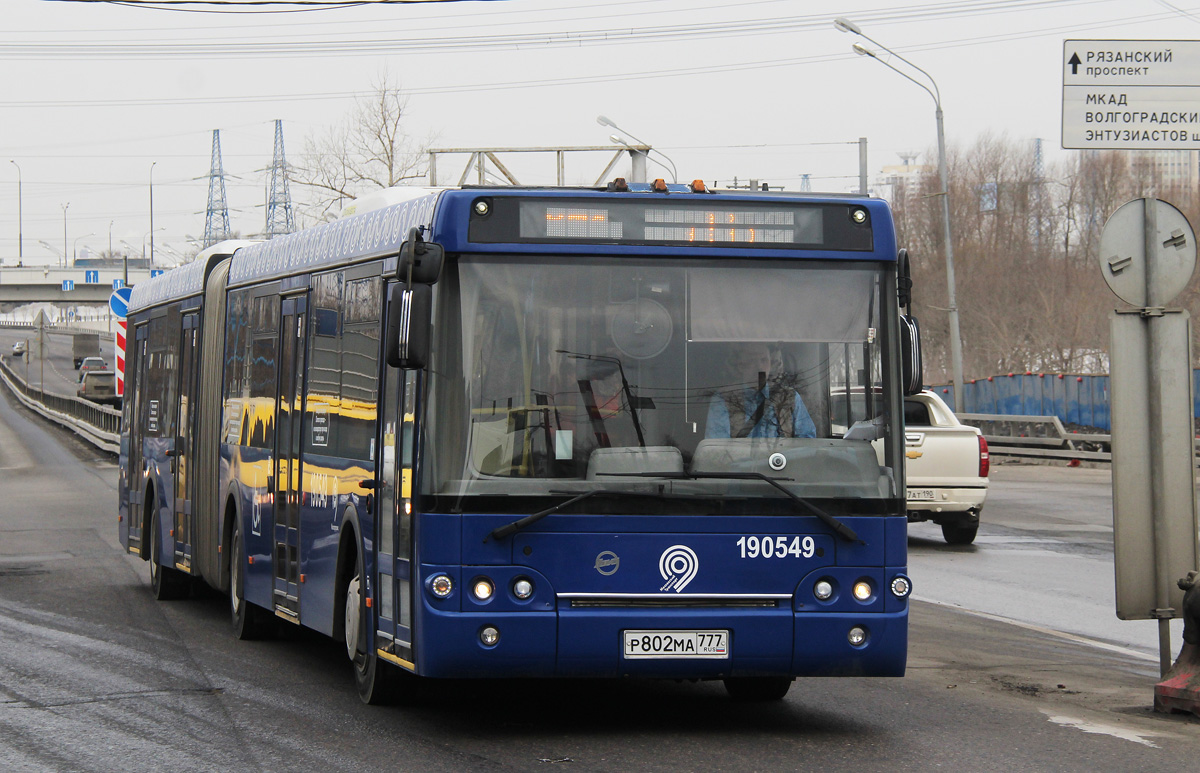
1137 278
119 301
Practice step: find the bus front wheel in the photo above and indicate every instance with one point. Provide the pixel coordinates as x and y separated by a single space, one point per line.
374 678
167 582
249 620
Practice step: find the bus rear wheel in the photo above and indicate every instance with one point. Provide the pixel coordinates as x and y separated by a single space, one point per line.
167 582
249 620
374 678
757 688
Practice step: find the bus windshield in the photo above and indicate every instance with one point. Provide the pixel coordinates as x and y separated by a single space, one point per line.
553 376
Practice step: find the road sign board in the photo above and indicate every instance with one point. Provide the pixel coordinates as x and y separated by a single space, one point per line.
1154 515
91 277
119 301
155 272
1131 94
68 285
118 284
1135 277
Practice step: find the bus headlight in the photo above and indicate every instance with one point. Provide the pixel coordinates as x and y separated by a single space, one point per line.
857 636
863 590
823 590
522 588
441 586
483 589
901 587
489 635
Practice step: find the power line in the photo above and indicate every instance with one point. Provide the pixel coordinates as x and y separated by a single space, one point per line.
355 44
578 80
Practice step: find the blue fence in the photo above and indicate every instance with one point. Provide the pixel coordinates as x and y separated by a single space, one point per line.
1074 399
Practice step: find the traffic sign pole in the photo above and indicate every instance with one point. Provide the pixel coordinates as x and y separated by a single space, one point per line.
1147 257
118 302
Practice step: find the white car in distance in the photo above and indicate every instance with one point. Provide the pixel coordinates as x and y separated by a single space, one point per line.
946 468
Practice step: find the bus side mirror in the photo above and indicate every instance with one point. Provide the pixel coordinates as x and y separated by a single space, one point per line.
424 259
910 355
409 326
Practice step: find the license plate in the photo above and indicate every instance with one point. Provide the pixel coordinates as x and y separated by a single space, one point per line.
921 495
677 644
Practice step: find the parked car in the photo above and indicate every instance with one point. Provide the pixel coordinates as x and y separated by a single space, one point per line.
90 364
99 386
946 469
20 349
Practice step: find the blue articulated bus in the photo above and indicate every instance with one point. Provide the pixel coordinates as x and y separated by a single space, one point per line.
637 431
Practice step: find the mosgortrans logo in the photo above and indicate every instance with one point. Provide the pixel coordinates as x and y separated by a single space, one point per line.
677 565
608 563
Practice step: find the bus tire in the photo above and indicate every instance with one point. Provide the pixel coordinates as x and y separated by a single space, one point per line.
757 688
250 621
374 678
960 533
167 582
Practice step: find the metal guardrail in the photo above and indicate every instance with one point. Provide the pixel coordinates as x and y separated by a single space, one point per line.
100 425
1038 436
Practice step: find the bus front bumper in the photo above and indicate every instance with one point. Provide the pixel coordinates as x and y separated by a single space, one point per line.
593 642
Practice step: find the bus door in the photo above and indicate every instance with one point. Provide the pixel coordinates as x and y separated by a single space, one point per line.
394 487
137 429
289 412
181 464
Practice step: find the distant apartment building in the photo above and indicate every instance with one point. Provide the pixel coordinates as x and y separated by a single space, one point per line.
1173 170
901 179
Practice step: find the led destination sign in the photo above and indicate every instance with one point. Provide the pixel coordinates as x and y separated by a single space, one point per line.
744 224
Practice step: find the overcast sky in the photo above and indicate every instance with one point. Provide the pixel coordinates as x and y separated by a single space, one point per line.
94 93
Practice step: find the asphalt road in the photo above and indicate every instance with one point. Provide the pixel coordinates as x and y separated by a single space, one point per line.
96 676
58 371
1044 556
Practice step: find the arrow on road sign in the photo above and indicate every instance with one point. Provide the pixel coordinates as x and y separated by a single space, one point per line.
119 301
1074 61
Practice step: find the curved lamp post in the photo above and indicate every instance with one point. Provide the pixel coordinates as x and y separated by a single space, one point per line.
845 25
606 121
20 217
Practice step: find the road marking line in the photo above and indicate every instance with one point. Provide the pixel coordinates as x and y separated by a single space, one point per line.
1048 631
1124 734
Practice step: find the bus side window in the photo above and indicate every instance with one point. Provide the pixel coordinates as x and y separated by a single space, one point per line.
360 368
323 385
261 354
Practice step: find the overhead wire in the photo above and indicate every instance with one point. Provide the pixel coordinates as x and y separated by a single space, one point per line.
572 80
355 44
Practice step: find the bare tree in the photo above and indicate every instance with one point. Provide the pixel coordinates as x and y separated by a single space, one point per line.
1030 295
369 150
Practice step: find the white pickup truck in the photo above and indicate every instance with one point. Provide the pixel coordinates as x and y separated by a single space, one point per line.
946 470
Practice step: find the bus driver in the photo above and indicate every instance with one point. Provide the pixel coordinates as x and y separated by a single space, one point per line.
744 406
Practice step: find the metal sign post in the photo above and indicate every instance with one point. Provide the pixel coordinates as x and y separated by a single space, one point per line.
118 304
1147 256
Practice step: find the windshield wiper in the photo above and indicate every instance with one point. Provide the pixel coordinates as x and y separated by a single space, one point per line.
841 529
500 532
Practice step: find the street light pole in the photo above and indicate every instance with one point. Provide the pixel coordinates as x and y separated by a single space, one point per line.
65 253
638 155
75 246
955 336
20 218
152 163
